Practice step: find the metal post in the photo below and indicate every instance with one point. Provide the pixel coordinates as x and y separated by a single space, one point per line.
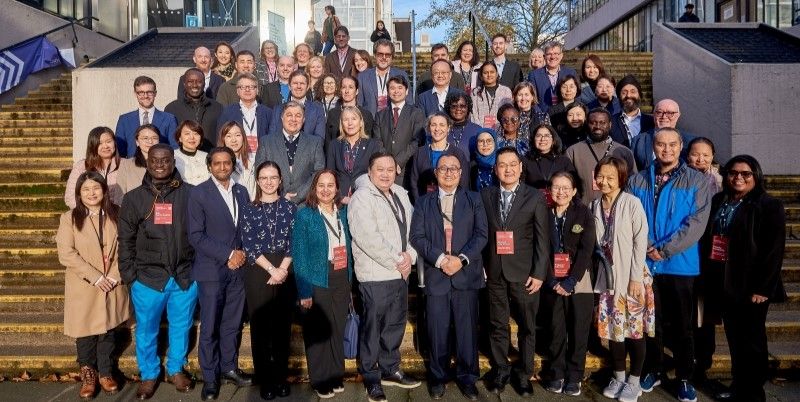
414 61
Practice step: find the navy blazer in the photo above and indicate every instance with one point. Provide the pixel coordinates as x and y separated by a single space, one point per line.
314 119
470 234
211 90
234 113
619 132
422 174
368 89
212 231
335 162
129 122
544 90
429 102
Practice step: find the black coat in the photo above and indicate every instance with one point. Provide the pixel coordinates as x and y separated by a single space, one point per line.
539 169
579 244
204 112
335 162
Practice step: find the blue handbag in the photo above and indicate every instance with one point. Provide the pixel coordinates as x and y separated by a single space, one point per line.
351 333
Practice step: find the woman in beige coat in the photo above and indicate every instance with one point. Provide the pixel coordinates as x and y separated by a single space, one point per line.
95 302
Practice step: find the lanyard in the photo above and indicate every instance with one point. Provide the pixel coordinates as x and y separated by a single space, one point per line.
336 232
449 219
382 83
250 125
489 97
725 215
399 215
589 144
342 61
627 129
456 139
99 234
559 224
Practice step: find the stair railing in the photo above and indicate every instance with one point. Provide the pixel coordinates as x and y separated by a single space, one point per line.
70 24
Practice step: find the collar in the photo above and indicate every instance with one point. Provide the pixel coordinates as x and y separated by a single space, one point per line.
636 116
443 193
500 59
220 187
343 50
286 135
444 92
248 109
514 190
399 105
185 152
150 112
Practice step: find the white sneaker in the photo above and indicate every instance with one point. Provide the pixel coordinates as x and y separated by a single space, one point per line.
613 389
630 393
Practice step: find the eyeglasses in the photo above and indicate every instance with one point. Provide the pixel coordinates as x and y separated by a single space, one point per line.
745 174
247 87
145 93
448 169
383 54
561 189
506 120
148 139
669 115
458 106
543 135
503 166
553 54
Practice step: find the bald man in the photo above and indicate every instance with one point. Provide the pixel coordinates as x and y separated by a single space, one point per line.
665 115
203 61
277 92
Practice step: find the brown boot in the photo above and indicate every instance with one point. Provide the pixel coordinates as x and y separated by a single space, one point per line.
89 382
182 381
146 389
109 385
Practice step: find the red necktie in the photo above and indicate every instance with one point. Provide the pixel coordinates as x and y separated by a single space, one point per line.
396 115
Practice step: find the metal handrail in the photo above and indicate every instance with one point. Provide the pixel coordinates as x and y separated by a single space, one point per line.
476 23
58 28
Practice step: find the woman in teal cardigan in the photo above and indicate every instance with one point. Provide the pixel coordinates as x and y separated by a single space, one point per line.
323 268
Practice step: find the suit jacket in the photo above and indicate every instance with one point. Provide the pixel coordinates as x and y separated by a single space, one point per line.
129 122
332 124
422 175
613 107
226 94
214 83
335 161
426 82
470 231
578 243
271 94
205 112
541 81
234 113
528 220
429 102
332 65
368 88
314 123
307 160
512 74
212 231
619 132
401 141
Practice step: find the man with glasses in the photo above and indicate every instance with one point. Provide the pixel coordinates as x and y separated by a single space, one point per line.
518 259
433 101
373 82
340 62
545 78
438 52
202 61
145 90
666 115
245 63
449 231
253 118
676 200
196 106
314 111
508 71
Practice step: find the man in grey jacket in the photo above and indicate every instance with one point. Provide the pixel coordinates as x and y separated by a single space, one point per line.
379 214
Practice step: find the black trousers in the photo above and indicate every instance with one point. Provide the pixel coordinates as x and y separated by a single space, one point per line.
323 330
270 310
745 328
383 325
620 350
675 322
570 322
97 351
507 299
708 287
459 307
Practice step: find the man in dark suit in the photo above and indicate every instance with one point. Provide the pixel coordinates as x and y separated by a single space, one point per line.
298 154
314 112
509 70
401 127
373 82
197 107
254 119
517 261
545 78
214 211
432 101
202 61
630 122
439 52
449 231
245 63
145 89
666 115
340 62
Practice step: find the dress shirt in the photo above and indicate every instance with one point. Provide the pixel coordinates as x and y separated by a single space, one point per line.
443 204
227 196
634 124
249 119
441 96
500 62
150 113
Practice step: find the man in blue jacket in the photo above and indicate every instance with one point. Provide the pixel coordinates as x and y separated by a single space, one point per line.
676 200
145 89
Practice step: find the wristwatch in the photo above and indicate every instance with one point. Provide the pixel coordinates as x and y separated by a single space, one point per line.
464 261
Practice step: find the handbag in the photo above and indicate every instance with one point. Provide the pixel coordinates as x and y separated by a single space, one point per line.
351 325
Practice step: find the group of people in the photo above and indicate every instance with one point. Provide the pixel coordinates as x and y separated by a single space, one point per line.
296 185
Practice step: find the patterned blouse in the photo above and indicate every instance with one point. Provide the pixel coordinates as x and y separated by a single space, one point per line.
267 228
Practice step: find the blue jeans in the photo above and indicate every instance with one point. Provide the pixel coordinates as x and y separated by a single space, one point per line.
149 305
327 48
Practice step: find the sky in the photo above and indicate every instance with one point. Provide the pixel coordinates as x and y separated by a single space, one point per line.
402 9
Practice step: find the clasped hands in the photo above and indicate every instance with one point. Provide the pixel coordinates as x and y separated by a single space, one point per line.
106 284
450 265
236 259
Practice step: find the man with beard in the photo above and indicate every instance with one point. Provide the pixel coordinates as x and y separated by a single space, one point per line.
196 106
626 125
604 96
586 154
340 62
202 60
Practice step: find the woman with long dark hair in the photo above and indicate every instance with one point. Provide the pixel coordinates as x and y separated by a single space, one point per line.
189 159
223 60
380 32
101 157
546 158
269 288
232 136
466 63
591 69
488 96
95 302
131 170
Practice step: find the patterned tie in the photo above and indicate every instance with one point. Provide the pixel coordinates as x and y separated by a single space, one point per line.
145 117
506 203
396 115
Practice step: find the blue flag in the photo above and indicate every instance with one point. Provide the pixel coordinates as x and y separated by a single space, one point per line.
17 62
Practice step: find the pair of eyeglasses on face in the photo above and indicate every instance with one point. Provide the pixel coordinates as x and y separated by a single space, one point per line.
744 174
145 93
668 114
458 106
247 87
448 169
507 120
503 166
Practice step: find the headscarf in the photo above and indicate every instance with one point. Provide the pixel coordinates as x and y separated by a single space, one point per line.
485 163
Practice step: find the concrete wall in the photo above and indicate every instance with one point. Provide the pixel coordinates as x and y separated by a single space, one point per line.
20 22
607 15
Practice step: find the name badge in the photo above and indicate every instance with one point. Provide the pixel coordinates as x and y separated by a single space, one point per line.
163 214
505 243
548 198
561 264
339 258
489 121
719 248
448 240
468 89
383 101
252 143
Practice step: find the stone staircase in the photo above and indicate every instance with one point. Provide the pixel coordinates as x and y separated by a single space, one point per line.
35 155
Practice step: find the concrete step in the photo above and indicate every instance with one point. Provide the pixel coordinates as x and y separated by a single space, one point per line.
29 220
33 189
36 144
37 123
60 99
32 150
792 250
28 238
16 176
50 93
32 113
37 162
33 203
782 182
43 107
34 133
787 195
792 212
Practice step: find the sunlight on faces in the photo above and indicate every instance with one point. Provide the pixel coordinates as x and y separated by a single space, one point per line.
360 63
146 139
348 90
466 53
292 119
107 146
326 188
543 140
441 73
247 89
302 53
285 67
562 191
666 113
630 97
269 181
553 57
397 92
537 59
604 90
508 168
245 64
341 39
145 95
509 120
351 123
607 179
91 193
221 166
448 172
234 139
438 128
740 178
299 86
498 46
160 163
269 51
194 83
383 57
383 172
458 110
329 86
590 70
524 99
599 126
489 75
223 55
315 68
576 117
202 58
569 90
485 144
439 54
189 139
667 147
700 156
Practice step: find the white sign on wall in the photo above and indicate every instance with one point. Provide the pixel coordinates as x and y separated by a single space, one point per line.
276 25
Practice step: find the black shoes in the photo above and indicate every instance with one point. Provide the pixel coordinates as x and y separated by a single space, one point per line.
401 380
375 393
267 392
497 383
238 377
436 391
210 391
283 390
470 391
524 388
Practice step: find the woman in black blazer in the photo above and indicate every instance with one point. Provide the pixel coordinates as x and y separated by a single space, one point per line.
742 253
545 158
568 287
348 155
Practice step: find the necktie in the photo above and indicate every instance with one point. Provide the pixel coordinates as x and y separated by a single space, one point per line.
506 203
447 207
145 117
396 111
